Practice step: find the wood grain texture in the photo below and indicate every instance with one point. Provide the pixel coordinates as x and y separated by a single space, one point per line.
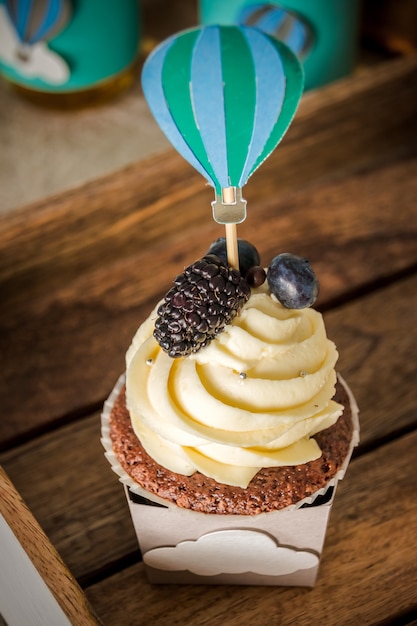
43 555
72 491
80 271
70 488
366 576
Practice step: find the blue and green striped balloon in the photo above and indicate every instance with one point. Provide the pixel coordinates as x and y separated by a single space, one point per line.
287 26
38 20
224 96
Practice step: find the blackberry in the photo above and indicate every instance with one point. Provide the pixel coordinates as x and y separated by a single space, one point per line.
201 302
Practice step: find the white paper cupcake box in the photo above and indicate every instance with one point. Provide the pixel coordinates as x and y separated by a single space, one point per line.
186 547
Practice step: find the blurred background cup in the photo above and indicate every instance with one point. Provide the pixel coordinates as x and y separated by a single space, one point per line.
69 53
323 33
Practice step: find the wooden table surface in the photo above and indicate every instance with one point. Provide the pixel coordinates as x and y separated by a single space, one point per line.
81 270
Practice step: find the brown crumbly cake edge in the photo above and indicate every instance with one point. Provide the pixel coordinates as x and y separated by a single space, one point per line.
270 490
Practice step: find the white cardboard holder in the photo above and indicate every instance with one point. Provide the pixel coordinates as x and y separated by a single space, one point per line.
180 546
186 547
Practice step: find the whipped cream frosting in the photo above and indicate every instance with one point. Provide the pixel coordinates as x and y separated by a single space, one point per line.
252 398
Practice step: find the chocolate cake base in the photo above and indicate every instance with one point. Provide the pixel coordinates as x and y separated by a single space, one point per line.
270 490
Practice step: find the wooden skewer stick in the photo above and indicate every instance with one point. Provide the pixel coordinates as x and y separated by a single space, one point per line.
229 197
231 246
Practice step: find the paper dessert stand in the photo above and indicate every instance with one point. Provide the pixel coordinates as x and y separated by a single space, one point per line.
181 546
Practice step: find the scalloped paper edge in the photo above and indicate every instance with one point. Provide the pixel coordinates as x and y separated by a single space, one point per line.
126 480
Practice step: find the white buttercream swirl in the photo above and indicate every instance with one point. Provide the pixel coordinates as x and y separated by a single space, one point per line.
252 398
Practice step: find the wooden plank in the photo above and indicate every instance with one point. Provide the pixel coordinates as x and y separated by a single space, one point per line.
370 116
81 270
66 346
371 531
62 599
71 490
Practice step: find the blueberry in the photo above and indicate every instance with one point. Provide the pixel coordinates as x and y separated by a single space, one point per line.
292 281
256 276
248 254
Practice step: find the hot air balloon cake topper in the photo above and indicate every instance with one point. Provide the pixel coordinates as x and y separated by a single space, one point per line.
224 96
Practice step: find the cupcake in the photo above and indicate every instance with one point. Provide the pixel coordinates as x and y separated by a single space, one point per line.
230 428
